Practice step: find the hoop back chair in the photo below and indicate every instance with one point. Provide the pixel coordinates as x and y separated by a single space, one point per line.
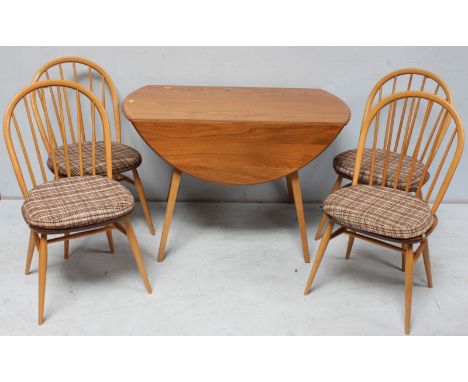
98 81
393 218
64 206
409 79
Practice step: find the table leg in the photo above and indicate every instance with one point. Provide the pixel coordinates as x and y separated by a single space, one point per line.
290 191
171 199
296 188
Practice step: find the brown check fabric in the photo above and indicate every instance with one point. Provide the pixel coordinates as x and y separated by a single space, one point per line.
344 165
124 158
379 210
76 202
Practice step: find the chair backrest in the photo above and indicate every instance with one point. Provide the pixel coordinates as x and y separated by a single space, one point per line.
431 137
88 74
26 120
408 79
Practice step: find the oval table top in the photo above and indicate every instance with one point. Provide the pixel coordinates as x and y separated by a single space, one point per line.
236 135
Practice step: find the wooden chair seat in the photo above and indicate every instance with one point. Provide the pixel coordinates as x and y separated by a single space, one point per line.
379 210
344 163
124 158
77 202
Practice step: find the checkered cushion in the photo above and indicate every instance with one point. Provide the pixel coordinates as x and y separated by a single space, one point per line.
124 158
379 210
75 202
344 165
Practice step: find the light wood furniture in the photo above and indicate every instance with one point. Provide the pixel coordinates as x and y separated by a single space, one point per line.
400 80
28 119
98 81
236 136
434 137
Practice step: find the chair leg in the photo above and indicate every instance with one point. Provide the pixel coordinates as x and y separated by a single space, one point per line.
143 201
402 261
350 246
110 240
427 263
409 262
31 247
318 258
137 254
42 276
66 247
323 220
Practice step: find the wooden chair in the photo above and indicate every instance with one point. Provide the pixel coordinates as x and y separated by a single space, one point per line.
97 80
68 206
386 215
394 82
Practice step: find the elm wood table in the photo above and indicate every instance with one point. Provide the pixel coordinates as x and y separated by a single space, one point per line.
238 136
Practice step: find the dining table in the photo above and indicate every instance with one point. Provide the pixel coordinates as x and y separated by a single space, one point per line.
236 135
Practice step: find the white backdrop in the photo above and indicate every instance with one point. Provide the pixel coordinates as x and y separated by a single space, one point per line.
348 72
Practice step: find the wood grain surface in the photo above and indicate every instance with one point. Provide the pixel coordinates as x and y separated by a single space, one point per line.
232 135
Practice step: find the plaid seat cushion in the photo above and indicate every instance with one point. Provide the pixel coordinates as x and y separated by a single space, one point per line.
379 210
124 158
344 165
76 202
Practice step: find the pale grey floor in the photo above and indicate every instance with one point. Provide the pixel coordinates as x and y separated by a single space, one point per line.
232 269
